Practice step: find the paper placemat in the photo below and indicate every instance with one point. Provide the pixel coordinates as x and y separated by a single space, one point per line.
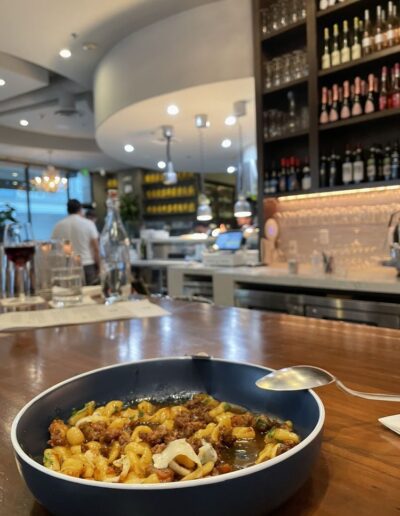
76 315
392 422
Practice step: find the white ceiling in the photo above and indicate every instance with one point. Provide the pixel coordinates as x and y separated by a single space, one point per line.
35 30
140 125
44 120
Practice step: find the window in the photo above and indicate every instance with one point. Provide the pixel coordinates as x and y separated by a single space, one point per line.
13 189
80 186
47 208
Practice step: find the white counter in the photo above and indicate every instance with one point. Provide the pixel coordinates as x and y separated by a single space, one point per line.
382 280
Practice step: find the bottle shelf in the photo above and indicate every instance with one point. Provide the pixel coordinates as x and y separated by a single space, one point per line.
163 215
376 56
183 182
370 117
337 189
338 7
287 136
170 200
297 25
286 86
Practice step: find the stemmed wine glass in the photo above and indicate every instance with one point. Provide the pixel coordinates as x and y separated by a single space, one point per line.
19 248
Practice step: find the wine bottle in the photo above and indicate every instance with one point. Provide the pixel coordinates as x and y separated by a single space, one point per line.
347 168
326 56
356 46
273 181
324 116
396 86
333 170
379 31
356 109
292 178
371 165
306 179
370 102
396 25
379 162
335 54
292 119
345 111
334 111
367 34
395 161
390 26
299 174
387 162
323 172
358 166
323 4
345 50
283 176
384 91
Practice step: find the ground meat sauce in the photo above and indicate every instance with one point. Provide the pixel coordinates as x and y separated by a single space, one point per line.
238 437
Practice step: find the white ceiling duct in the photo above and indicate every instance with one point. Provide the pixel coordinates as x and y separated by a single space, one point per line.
66 105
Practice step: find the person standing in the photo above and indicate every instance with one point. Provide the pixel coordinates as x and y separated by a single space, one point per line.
84 237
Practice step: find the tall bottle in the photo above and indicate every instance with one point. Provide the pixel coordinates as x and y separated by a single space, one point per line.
357 107
323 172
395 161
334 111
335 54
306 177
326 56
345 111
372 170
396 86
367 38
345 50
379 36
370 102
356 46
324 116
292 119
333 170
386 169
114 252
384 90
390 26
347 168
358 166
283 176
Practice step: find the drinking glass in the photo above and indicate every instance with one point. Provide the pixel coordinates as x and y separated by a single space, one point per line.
275 16
66 286
19 248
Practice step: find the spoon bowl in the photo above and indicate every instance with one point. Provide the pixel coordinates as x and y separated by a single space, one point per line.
297 378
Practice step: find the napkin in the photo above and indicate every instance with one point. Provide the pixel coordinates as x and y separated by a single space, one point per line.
392 422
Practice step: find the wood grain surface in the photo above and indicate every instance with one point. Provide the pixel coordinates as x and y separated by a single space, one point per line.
358 472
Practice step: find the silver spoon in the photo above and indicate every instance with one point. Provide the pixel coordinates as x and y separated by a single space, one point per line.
302 377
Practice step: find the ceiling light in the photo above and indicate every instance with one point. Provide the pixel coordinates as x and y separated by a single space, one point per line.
15 174
161 164
129 148
230 120
172 110
24 122
204 212
2 82
226 143
242 207
231 169
89 46
65 53
15 183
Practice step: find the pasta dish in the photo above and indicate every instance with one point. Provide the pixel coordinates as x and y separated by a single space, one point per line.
151 443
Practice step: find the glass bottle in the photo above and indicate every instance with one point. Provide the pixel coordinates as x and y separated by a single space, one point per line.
396 86
379 30
367 34
395 161
356 46
356 109
386 170
384 90
334 111
326 56
345 110
345 50
347 168
115 268
335 54
370 102
358 166
324 116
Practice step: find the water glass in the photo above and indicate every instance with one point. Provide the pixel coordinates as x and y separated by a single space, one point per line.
66 286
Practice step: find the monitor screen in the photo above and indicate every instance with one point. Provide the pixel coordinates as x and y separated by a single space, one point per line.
229 241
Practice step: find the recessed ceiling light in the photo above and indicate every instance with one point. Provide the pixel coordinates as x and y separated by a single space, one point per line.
129 148
15 183
89 45
24 122
172 110
15 174
65 53
231 169
161 164
230 120
2 82
226 143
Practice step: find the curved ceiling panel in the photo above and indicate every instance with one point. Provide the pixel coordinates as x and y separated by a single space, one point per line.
209 44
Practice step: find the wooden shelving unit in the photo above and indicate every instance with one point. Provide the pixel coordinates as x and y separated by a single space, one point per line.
379 127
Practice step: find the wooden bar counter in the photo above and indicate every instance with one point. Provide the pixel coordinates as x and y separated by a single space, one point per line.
358 472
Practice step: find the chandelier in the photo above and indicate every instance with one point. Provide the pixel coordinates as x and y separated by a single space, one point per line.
50 181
